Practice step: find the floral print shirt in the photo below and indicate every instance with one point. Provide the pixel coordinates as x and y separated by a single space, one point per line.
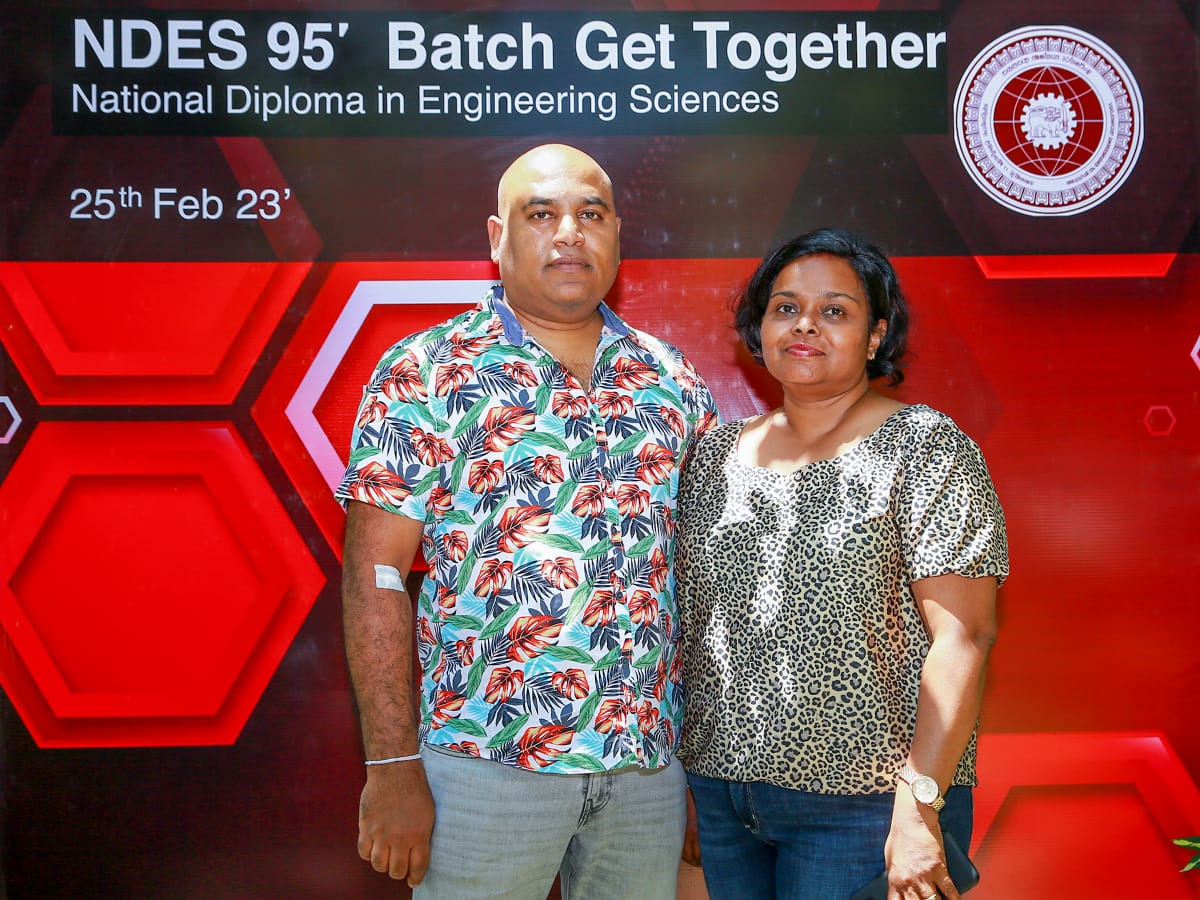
547 625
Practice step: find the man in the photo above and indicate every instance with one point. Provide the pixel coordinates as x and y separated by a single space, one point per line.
531 448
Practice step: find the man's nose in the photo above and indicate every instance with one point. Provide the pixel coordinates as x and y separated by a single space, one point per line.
568 231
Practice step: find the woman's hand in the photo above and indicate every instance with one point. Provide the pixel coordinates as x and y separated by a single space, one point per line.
960 616
915 856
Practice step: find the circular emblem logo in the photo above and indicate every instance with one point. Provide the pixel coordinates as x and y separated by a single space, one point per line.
1048 121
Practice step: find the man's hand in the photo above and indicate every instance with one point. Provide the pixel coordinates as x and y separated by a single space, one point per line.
395 814
395 821
691 835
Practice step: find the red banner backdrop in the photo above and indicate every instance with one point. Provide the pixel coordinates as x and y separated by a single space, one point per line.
176 398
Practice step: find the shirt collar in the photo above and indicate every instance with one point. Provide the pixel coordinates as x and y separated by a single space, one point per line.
515 333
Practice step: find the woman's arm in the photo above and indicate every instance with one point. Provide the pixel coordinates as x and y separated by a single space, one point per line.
960 616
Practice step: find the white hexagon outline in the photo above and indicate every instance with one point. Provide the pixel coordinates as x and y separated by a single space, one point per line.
6 402
1195 354
365 295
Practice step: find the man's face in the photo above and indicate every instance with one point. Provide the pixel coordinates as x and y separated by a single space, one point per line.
556 235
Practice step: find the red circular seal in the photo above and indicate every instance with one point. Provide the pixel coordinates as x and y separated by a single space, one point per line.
1048 120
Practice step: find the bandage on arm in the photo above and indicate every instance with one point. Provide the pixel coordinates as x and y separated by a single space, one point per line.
388 578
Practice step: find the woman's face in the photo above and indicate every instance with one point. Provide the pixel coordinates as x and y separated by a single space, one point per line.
817 330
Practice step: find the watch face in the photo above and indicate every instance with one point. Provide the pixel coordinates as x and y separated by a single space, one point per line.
925 789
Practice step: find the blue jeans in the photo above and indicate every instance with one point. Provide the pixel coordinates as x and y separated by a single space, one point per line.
761 841
504 832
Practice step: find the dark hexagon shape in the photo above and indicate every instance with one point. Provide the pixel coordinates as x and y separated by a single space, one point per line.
100 330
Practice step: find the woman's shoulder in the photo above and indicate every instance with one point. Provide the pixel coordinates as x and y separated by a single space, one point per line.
725 432
919 418
920 426
716 442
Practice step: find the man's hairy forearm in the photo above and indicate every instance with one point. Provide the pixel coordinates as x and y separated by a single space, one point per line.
378 628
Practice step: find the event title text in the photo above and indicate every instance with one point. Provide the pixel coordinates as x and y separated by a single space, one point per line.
598 46
363 73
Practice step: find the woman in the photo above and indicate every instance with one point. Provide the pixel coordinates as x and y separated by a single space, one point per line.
837 565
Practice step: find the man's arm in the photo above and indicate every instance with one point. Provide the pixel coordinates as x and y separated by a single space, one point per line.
395 819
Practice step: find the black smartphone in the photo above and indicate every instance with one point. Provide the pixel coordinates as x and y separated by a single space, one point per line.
962 872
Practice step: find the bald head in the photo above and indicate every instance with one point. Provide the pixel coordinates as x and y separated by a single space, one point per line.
556 233
544 161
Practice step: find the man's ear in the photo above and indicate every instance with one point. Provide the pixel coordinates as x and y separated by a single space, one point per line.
495 228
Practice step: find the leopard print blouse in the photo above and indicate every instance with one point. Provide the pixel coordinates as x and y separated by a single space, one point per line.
803 645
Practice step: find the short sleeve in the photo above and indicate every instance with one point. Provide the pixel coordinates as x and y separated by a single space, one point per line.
700 456
949 515
704 404
396 452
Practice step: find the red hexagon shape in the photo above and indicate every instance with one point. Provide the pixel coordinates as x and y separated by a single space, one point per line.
1159 421
1078 816
141 333
150 585
306 409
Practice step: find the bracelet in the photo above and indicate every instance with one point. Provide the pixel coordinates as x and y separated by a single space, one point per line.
384 762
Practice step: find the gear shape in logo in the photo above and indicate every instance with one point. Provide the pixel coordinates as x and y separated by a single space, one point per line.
1048 121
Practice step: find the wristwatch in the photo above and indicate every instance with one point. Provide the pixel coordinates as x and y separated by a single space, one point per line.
924 788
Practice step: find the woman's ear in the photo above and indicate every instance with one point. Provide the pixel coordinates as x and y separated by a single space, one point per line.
878 331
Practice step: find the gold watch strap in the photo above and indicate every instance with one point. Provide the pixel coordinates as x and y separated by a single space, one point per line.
908 775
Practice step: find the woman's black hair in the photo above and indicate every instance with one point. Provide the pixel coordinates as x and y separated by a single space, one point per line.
874 271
